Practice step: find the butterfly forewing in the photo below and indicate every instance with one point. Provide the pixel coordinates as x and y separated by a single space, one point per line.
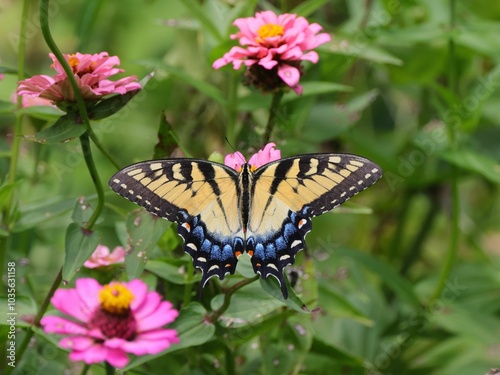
287 193
201 197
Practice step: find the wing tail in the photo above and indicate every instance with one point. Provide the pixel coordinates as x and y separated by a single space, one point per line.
271 255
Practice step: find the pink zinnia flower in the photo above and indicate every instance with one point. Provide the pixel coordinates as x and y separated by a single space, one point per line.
275 46
263 156
103 257
91 73
105 323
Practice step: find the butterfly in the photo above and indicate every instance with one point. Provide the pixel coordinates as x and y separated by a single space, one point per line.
266 212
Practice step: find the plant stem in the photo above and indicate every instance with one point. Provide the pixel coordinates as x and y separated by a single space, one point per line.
84 138
110 370
85 369
273 112
105 152
228 293
87 155
455 199
416 245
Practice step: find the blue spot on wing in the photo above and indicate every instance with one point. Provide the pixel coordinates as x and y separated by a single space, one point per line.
213 254
273 251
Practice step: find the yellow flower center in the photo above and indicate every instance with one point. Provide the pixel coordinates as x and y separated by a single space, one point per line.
115 298
269 30
73 62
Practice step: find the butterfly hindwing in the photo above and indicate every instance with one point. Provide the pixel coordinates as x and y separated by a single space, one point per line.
191 192
287 193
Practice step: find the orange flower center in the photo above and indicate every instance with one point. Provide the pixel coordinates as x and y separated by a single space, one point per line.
73 62
269 30
115 298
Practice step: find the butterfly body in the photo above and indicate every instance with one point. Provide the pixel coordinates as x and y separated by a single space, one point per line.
266 212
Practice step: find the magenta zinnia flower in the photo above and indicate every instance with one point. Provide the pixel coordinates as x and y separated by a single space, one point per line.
263 156
91 73
275 46
103 257
105 323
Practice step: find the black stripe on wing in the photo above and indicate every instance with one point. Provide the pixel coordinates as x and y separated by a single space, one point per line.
320 182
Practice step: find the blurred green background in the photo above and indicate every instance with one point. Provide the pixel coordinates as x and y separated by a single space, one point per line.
400 83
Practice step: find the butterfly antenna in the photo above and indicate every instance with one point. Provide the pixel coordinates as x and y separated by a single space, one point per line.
243 161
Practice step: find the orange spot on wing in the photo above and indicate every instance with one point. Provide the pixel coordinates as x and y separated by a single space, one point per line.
250 252
228 265
187 226
237 254
258 264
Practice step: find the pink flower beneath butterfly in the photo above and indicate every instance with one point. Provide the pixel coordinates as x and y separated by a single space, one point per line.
263 156
275 46
103 257
104 323
91 73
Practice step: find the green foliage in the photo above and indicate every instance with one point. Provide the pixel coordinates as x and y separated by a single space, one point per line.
406 281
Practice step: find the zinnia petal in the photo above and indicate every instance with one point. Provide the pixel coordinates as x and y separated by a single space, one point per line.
265 155
76 343
94 354
88 289
59 325
289 75
162 315
235 160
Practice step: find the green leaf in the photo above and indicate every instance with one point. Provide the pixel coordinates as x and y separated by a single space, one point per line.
80 244
306 8
171 272
65 129
392 279
336 305
192 328
475 162
352 49
205 88
143 232
82 211
43 112
6 107
7 70
248 305
313 88
33 215
271 286
167 140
